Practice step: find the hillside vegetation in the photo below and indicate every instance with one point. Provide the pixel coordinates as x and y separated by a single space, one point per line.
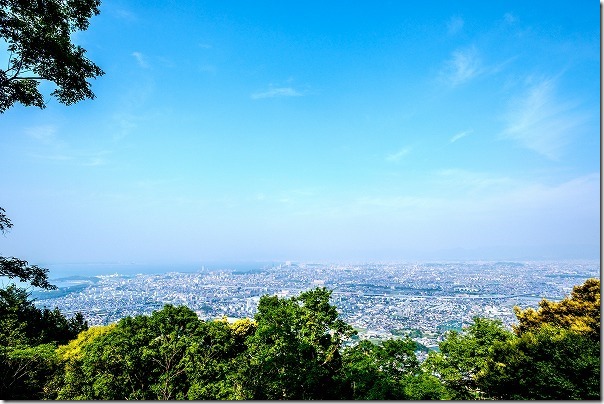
295 348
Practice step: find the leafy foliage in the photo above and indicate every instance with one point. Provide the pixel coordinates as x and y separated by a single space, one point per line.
38 34
16 268
141 358
168 355
551 363
557 352
294 353
579 312
28 335
554 353
214 360
387 371
5 222
28 338
22 323
463 358
68 381
293 349
25 370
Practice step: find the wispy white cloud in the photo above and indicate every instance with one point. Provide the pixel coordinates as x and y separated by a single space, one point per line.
455 24
395 202
74 157
51 147
124 124
464 65
459 135
141 59
395 157
540 121
467 180
52 156
94 160
277 92
490 193
208 68
43 133
124 14
509 18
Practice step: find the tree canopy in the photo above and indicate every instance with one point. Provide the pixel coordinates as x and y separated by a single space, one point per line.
295 348
38 38
463 357
579 312
549 363
554 353
28 339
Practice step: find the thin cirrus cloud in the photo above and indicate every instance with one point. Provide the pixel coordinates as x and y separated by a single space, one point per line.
141 59
459 135
396 157
277 92
461 179
510 18
539 121
54 149
455 25
464 65
43 133
123 14
73 157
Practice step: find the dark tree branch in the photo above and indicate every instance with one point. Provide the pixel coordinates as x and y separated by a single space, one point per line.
5 222
27 78
38 34
16 268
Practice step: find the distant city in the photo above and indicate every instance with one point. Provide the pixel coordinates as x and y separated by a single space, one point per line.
381 300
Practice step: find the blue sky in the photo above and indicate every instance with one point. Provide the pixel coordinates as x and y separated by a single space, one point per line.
316 131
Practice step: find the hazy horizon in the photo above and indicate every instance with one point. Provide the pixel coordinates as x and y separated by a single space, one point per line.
358 131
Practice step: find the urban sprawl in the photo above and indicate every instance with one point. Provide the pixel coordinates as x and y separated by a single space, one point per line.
381 300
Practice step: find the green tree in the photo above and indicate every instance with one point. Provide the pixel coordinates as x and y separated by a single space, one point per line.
556 354
22 323
214 359
176 328
464 357
28 335
68 381
388 371
38 35
28 338
140 358
295 350
25 370
579 312
550 363
553 354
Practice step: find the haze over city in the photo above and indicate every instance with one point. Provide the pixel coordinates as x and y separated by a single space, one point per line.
316 131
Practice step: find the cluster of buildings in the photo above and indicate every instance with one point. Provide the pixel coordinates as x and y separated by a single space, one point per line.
381 300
